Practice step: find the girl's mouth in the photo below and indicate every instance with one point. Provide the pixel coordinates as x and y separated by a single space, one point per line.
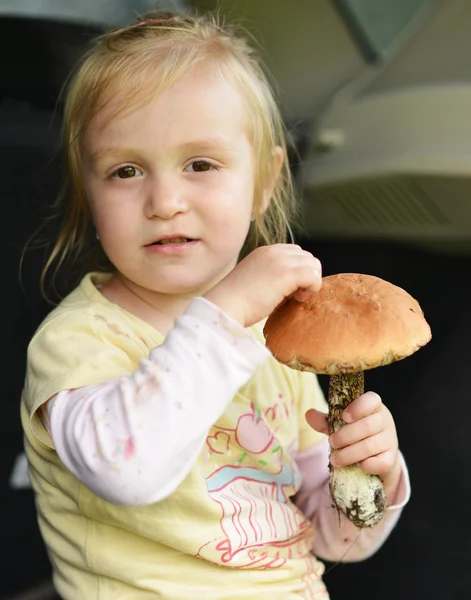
176 240
173 246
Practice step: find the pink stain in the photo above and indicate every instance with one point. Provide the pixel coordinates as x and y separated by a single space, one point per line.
129 448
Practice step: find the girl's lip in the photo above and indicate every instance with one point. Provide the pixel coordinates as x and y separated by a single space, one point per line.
166 238
172 248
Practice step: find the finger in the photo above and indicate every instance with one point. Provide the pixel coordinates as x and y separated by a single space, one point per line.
367 448
366 427
302 294
317 420
316 263
381 464
362 406
308 280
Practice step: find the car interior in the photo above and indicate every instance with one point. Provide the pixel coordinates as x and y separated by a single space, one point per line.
376 96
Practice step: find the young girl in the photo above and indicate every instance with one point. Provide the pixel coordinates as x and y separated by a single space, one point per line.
171 455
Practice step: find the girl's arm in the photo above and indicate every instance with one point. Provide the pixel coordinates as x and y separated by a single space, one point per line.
133 440
337 539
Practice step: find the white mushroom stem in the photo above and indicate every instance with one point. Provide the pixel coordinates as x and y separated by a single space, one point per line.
358 495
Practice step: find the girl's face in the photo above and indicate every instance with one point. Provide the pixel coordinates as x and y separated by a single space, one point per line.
171 185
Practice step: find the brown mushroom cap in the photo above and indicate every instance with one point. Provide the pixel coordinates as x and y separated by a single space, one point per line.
354 323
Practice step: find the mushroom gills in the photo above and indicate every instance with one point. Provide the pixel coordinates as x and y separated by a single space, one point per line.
357 494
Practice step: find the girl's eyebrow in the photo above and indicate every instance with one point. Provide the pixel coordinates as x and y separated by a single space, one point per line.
217 142
103 153
205 144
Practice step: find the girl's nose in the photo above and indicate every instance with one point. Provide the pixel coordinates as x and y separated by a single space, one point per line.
165 200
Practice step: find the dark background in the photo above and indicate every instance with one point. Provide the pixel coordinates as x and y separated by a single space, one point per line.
428 555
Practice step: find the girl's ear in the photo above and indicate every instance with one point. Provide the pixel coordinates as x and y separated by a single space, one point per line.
278 158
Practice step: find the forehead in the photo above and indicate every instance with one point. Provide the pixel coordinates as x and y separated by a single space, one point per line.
201 104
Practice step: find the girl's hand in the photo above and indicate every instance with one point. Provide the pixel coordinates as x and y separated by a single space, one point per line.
368 439
263 279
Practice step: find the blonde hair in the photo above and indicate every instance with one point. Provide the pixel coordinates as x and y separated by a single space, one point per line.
144 59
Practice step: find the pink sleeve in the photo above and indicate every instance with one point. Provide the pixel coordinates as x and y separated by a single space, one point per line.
337 539
133 440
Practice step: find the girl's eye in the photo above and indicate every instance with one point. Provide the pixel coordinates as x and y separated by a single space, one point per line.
126 172
200 166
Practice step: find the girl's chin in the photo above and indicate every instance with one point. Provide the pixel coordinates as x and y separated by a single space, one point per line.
182 285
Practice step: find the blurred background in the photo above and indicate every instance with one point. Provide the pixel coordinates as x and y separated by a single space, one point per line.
377 97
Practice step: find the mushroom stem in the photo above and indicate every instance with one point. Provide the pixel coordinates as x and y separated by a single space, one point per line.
357 494
343 389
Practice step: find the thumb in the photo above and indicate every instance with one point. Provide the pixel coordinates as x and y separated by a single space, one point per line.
317 420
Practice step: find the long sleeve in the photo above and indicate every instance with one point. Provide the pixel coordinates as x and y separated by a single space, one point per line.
337 539
133 440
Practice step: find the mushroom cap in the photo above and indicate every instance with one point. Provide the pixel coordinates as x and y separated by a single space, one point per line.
354 323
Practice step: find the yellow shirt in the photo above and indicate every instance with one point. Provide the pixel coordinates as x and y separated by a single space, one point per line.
229 531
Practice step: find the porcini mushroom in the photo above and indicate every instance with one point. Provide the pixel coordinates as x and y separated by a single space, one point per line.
354 323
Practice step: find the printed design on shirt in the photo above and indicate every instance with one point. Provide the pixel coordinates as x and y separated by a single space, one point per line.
251 478
219 442
315 588
252 432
